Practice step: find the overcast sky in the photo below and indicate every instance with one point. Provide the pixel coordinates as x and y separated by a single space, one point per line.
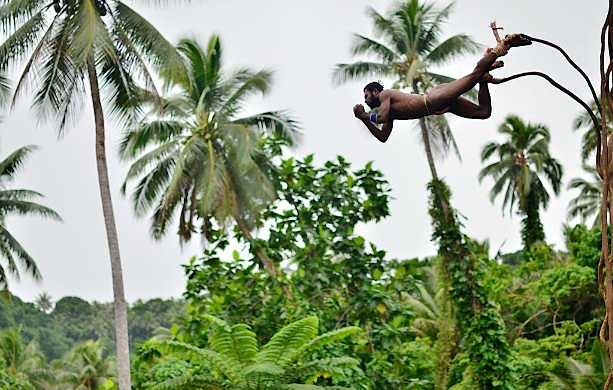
301 42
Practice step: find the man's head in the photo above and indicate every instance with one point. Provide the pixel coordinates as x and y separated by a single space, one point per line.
371 94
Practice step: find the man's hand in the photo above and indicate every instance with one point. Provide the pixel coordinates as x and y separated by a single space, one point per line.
360 112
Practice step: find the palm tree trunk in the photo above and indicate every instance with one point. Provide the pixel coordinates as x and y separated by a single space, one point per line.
429 156
262 256
121 312
265 261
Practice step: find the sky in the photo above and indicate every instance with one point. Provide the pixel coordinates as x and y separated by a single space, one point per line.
301 42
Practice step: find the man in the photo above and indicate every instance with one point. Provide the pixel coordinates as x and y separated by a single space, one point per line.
395 105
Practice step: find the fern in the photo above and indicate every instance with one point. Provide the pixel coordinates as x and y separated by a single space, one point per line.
233 357
237 343
209 358
320 341
288 340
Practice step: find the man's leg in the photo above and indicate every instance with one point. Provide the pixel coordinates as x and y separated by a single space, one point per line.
467 109
445 95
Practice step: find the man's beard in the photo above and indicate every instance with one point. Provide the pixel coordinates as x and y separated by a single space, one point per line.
375 103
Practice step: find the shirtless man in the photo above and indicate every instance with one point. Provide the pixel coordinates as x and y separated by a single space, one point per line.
396 105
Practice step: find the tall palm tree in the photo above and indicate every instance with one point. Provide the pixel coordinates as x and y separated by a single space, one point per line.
199 158
65 45
85 367
407 46
587 202
521 164
17 202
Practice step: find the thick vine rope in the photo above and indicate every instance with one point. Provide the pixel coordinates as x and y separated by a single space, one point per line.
604 106
606 42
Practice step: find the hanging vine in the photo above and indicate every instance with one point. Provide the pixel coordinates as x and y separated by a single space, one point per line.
603 162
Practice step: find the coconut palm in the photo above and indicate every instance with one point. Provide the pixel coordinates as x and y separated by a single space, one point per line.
21 360
588 201
85 367
521 164
425 304
584 122
17 201
63 46
407 47
200 159
44 302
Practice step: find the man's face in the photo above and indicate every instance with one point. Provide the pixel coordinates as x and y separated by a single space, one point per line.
372 99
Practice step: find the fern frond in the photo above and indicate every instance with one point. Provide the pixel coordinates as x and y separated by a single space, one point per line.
288 340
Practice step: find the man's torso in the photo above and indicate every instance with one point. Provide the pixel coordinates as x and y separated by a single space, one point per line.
407 105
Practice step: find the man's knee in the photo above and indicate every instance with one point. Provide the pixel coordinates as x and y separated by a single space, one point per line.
484 114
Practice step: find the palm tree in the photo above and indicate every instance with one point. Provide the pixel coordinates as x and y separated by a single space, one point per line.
433 319
44 302
588 201
584 122
425 304
22 360
409 46
198 158
520 163
85 367
237 363
17 202
67 44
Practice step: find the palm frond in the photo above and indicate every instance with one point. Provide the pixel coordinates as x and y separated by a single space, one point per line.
157 49
360 70
146 134
14 161
452 48
18 44
10 244
278 123
365 45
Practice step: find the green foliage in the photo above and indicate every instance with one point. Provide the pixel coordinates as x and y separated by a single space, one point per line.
333 272
74 321
235 362
583 245
85 366
17 201
481 327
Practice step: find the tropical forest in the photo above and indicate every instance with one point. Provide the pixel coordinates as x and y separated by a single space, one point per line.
188 202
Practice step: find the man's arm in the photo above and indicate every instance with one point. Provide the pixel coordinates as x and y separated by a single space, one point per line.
380 134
